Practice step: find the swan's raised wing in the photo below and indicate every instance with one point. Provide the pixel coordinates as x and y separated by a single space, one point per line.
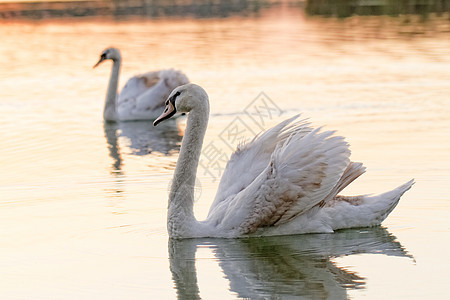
251 158
144 95
159 88
301 173
137 85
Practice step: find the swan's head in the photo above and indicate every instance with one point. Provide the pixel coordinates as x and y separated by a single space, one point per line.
183 99
110 53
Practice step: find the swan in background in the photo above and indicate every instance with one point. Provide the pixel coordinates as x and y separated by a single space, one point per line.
143 96
285 181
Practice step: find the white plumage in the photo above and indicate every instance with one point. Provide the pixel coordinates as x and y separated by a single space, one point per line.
285 181
143 96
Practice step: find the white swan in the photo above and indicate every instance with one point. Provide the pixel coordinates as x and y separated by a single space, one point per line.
143 96
285 181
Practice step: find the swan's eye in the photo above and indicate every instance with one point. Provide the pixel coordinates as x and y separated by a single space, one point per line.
103 56
173 98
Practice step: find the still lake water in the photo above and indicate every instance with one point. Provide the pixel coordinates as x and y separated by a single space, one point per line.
83 203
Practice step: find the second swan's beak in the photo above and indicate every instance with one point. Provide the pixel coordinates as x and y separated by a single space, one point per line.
102 58
169 111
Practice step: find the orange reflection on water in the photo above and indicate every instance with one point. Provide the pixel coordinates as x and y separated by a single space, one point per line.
84 204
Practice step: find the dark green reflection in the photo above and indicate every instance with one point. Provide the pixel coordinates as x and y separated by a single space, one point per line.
126 9
274 267
347 8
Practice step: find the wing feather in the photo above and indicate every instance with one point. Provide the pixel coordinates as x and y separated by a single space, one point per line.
143 96
301 171
251 158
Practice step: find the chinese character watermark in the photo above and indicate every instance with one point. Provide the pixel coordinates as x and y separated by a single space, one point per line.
262 109
212 160
236 131
260 112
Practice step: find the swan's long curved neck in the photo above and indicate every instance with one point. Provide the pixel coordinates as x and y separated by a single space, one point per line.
181 218
109 112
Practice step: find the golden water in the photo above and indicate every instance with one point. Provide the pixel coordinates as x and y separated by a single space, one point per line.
83 204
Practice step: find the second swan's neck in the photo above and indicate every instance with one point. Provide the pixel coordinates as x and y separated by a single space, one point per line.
109 113
181 218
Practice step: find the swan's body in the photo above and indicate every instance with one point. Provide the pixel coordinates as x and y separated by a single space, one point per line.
143 96
285 181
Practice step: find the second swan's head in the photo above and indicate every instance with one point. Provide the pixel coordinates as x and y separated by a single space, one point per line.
109 53
183 99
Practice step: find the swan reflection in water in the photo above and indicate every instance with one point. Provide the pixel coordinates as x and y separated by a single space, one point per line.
300 266
142 138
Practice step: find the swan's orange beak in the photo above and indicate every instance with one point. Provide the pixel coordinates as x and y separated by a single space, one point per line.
168 112
102 58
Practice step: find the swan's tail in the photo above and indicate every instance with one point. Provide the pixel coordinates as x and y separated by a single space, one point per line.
364 210
385 203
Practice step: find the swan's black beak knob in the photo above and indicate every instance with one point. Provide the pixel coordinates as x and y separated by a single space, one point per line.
168 112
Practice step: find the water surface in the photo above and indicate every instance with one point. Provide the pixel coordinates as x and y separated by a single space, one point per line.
83 203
